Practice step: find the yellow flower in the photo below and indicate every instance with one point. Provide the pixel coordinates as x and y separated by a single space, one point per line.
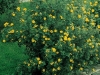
69 39
33 21
55 30
22 20
50 15
18 8
46 38
96 16
58 68
45 30
89 40
11 31
39 62
11 24
65 38
54 49
28 64
92 10
79 16
98 26
36 14
81 69
75 49
13 14
38 58
66 34
53 69
61 31
61 17
3 40
51 63
33 40
71 67
93 70
87 20
71 60
6 24
51 31
59 60
43 70
53 17
44 18
24 9
71 11
52 10
57 52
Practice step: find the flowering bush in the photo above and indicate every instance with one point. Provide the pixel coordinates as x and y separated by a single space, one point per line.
61 37
6 7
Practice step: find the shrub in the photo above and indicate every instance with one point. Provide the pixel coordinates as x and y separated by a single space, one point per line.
6 6
61 37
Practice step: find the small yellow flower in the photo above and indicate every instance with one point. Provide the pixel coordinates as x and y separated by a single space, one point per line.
53 69
93 70
59 60
13 14
71 60
58 68
51 31
65 38
53 17
92 10
46 38
71 67
98 26
39 62
96 16
55 30
44 18
24 9
36 14
54 49
11 31
45 30
28 64
75 49
79 16
69 39
33 40
33 21
43 70
6 24
61 17
81 69
86 19
18 8
51 63
11 24
71 11
4 41
38 58
57 52
22 20
61 31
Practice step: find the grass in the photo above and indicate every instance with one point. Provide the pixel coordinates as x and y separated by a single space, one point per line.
10 56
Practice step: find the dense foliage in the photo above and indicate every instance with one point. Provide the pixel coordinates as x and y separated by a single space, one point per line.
61 37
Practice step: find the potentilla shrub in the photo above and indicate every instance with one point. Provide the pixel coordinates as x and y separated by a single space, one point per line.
58 35
6 6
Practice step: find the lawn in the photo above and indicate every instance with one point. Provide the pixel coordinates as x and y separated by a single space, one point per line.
10 57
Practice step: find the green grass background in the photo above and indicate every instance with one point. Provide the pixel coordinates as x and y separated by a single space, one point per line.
11 55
